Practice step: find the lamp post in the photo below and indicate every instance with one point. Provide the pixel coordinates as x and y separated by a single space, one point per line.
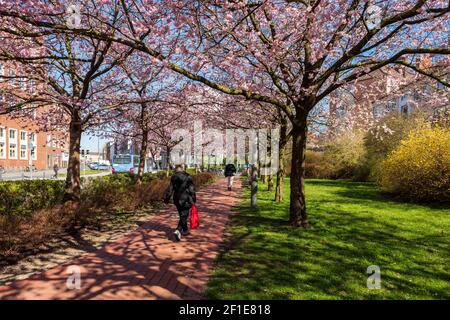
30 155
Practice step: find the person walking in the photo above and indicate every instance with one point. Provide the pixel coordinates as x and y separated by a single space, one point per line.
183 191
230 171
56 169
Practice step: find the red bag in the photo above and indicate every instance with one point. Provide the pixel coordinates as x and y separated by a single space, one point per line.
195 222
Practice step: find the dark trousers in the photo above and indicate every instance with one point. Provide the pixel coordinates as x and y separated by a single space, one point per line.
184 217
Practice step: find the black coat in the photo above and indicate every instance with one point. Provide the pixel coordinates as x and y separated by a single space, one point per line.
230 170
183 191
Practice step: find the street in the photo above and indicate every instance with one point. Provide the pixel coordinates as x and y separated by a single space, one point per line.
43 174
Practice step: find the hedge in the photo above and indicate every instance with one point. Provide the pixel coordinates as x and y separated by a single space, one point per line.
28 196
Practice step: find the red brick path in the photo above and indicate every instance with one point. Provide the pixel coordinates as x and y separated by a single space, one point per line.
145 264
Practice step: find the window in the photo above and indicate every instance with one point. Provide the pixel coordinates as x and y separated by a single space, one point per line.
23 145
23 152
12 151
33 153
390 106
2 70
2 133
23 136
404 109
12 143
12 134
2 151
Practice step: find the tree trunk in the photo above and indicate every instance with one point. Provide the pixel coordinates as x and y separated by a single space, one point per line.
254 186
281 153
269 177
298 216
142 156
168 162
73 180
270 183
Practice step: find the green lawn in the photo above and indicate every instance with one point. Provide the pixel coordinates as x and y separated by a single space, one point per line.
352 227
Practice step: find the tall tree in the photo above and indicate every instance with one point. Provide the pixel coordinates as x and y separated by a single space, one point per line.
77 81
155 103
288 53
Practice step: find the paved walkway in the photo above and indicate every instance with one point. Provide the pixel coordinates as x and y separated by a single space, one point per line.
145 264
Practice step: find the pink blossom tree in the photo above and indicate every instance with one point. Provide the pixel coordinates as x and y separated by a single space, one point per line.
156 107
75 79
291 54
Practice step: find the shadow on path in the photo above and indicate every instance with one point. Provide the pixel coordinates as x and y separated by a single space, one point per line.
145 264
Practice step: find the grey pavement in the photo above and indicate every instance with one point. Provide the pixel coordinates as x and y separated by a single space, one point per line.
43 174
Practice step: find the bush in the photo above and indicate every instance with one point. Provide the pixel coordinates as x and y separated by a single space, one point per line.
36 213
344 157
28 196
315 165
385 136
203 178
108 191
418 169
21 234
152 191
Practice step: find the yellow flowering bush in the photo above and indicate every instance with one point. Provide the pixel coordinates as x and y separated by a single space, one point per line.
419 168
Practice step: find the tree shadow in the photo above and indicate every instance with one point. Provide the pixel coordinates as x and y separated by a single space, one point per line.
271 260
143 264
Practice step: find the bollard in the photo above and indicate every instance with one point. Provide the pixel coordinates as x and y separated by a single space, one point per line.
254 186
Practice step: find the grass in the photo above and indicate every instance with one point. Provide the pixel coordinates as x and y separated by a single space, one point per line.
352 227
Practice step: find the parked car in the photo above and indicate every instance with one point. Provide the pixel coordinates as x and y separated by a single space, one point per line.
103 167
93 165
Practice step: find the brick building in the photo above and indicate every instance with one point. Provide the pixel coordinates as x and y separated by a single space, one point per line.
389 90
22 144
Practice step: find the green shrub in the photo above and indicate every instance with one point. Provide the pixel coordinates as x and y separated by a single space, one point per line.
419 168
203 178
120 190
315 165
344 157
385 136
28 196
109 190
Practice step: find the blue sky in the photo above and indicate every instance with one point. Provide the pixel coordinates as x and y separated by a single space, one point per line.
91 142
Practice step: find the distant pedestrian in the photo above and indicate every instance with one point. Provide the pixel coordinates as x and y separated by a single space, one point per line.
55 169
183 191
230 171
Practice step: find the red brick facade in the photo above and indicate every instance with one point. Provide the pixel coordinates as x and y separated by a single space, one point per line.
21 143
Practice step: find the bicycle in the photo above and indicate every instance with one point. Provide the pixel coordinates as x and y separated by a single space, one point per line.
31 169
